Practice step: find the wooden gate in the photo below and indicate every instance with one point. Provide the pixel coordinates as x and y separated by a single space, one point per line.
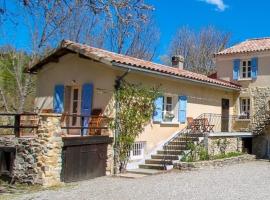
84 157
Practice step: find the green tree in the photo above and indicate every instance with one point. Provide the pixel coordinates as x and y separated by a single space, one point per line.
16 87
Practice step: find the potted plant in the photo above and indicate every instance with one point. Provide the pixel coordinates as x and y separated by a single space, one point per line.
168 117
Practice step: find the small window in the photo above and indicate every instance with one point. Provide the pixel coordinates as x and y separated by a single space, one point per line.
244 108
245 70
169 109
137 151
169 105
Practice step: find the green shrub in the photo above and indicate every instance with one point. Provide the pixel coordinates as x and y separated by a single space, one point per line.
196 152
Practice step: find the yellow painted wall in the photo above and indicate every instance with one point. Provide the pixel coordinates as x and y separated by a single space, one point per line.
71 68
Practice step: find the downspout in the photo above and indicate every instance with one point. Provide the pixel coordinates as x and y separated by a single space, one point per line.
117 86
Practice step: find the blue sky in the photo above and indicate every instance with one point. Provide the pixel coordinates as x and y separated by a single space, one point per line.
243 18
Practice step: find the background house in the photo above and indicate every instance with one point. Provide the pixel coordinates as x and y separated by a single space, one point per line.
247 64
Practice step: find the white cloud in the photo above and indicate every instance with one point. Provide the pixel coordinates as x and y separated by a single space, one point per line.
221 6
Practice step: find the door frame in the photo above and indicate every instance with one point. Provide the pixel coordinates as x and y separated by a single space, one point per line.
72 101
225 114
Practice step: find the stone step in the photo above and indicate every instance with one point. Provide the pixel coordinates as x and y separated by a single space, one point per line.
171 152
185 139
178 143
165 156
132 175
158 161
152 166
144 171
175 147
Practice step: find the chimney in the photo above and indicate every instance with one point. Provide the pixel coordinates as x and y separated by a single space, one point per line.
178 61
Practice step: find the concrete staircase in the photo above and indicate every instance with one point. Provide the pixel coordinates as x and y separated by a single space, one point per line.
163 159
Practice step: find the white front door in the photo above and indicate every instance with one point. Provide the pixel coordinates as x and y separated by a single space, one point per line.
75 110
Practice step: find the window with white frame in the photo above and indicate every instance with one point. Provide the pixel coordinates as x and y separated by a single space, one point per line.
245 69
137 151
169 104
244 108
169 113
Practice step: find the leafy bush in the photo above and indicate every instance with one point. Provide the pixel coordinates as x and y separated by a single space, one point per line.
135 109
196 152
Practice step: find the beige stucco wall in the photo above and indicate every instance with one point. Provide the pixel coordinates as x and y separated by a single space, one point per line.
71 68
225 69
256 90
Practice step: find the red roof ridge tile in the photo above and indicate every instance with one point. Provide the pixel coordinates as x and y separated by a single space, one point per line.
112 57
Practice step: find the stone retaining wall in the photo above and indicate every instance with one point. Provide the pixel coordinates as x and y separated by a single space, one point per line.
218 145
261 144
38 159
213 163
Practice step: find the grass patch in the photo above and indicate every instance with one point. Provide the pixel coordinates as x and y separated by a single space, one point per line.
227 155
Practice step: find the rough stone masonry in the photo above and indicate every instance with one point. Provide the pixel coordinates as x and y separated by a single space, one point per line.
38 159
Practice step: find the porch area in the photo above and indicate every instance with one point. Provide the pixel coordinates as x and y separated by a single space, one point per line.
46 151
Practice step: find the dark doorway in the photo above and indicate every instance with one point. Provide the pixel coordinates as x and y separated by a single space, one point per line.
247 145
225 105
7 157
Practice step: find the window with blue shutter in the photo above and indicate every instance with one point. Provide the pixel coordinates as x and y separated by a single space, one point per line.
254 68
182 110
58 99
236 68
158 113
86 105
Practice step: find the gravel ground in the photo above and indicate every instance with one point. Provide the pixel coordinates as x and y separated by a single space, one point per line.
241 181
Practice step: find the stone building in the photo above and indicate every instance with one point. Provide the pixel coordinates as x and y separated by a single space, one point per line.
247 64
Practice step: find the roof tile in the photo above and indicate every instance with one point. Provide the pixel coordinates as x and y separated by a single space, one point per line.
251 45
103 55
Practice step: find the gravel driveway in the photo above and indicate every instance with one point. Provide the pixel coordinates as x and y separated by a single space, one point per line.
241 181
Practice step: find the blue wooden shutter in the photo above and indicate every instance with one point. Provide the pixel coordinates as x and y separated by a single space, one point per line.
254 68
58 99
236 68
86 105
158 113
182 110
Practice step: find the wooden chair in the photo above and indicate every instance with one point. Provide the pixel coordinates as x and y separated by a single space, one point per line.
189 122
192 125
95 121
207 127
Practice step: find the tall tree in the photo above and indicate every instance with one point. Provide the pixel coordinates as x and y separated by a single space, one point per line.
115 25
198 48
95 22
16 87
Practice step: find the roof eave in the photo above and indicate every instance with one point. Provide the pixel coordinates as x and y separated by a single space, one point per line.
116 64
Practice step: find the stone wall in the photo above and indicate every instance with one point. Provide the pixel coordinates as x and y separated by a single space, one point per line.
258 95
261 144
218 145
109 166
213 163
38 158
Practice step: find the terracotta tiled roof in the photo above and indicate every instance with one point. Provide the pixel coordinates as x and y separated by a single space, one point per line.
111 58
251 45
